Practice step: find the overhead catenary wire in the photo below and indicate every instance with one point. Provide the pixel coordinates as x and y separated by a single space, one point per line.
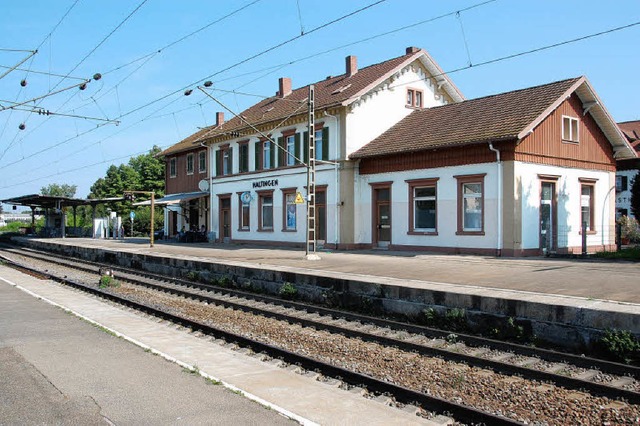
530 51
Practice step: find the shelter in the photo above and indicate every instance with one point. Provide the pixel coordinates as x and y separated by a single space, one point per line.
53 208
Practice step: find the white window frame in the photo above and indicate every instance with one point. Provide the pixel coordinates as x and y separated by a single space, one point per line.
290 143
266 155
319 141
478 197
266 213
570 120
433 198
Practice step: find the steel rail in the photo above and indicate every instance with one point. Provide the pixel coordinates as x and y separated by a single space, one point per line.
400 393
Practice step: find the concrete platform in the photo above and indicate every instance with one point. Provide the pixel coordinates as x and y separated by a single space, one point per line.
562 300
59 369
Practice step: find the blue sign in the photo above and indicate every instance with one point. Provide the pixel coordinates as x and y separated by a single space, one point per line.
132 215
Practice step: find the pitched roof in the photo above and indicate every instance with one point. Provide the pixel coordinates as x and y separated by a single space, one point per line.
497 117
631 130
333 91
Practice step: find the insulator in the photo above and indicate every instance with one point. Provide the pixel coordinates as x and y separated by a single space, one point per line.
188 92
208 83
23 82
22 126
83 86
97 76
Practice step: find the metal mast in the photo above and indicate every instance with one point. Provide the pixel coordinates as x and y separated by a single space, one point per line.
311 180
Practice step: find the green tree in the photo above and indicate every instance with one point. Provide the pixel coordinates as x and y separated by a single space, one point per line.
635 197
142 173
59 190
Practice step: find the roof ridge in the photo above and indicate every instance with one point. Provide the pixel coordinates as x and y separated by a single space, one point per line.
516 90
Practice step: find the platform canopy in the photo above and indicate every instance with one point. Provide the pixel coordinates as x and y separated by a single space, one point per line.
52 201
174 198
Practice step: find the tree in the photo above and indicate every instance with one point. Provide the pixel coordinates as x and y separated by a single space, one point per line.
143 173
59 190
635 197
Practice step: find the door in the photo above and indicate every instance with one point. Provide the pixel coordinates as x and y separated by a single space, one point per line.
321 217
382 216
548 226
225 219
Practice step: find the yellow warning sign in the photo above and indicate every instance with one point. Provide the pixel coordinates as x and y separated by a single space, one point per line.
299 199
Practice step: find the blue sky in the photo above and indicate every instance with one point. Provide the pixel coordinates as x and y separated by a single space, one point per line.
142 88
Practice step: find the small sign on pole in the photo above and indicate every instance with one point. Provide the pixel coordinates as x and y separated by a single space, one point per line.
299 199
132 215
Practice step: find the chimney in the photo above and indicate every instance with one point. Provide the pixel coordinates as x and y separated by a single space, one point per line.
352 65
285 86
219 119
412 49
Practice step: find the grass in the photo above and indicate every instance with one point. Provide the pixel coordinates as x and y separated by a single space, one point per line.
631 253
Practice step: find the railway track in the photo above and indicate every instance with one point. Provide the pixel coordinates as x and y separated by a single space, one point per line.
498 357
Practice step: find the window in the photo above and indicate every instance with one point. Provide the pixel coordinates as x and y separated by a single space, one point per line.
569 129
291 149
172 167
587 191
470 204
265 202
422 206
290 209
245 212
622 183
243 149
267 155
189 164
224 164
202 161
321 136
414 98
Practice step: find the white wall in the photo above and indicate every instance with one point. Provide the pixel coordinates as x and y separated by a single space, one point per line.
623 198
569 211
287 178
447 194
383 107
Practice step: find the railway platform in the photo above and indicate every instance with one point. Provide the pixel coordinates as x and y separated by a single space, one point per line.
567 302
59 369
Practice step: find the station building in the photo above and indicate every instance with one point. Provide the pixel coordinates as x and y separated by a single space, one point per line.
405 162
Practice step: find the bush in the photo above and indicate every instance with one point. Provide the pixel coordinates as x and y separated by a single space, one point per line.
108 281
620 345
629 229
288 291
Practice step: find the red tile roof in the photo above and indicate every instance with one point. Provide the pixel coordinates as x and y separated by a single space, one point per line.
491 118
333 91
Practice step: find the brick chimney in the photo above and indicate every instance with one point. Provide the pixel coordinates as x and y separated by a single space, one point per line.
285 86
219 119
412 49
352 65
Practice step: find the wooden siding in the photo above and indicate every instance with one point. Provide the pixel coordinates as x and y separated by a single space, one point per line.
183 182
457 156
545 144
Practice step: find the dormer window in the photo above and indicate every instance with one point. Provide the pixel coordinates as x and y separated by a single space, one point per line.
414 98
570 129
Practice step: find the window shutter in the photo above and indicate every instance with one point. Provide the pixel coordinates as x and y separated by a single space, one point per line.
281 153
625 183
230 160
305 147
297 149
218 163
272 155
325 143
258 155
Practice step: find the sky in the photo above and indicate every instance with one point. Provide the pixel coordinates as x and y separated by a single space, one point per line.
148 52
